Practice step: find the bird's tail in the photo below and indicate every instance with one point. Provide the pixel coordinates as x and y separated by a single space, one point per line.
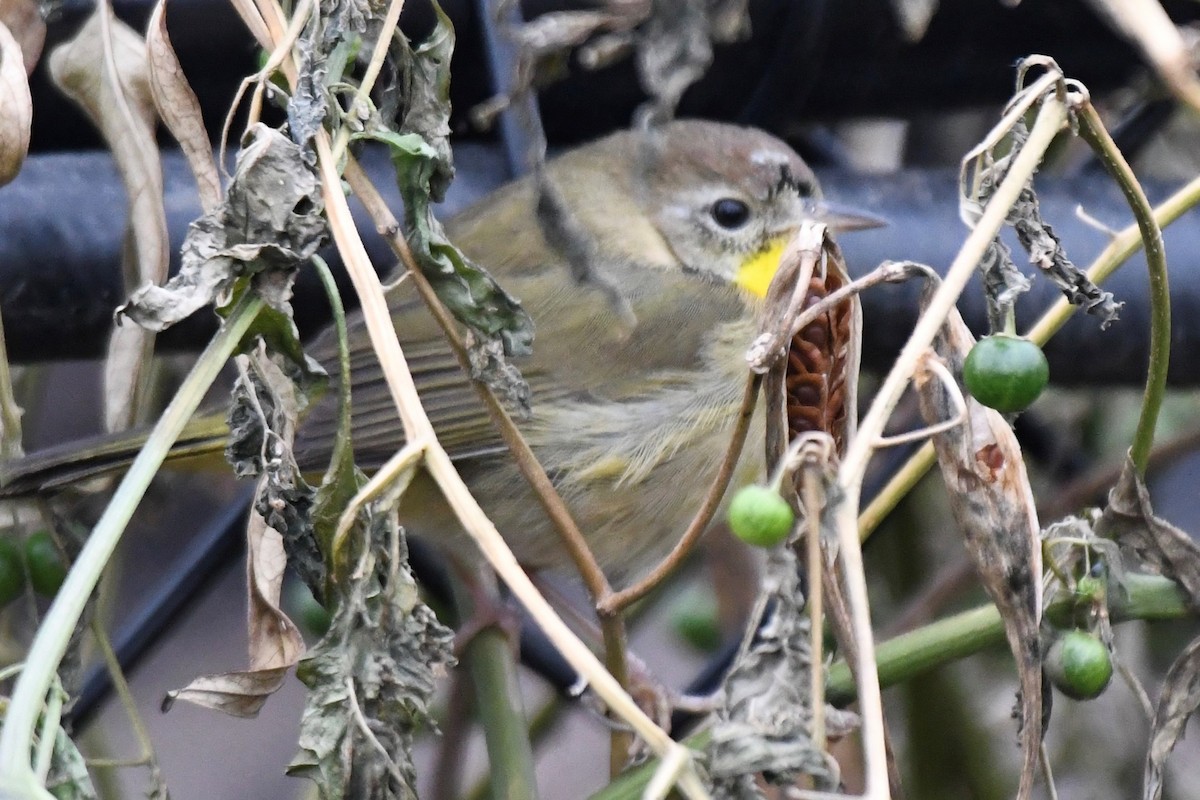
105 454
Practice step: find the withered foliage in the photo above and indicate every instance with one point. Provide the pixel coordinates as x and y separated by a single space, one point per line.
993 506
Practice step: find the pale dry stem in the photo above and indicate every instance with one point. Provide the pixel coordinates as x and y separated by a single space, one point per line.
1052 115
417 427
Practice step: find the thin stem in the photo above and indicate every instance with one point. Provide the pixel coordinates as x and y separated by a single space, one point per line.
1051 117
1092 130
712 500
1118 251
489 657
814 505
1148 597
54 633
439 466
594 579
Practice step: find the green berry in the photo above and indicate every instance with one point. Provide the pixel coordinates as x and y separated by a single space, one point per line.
1079 664
47 571
12 572
1089 588
694 619
313 617
1005 372
759 516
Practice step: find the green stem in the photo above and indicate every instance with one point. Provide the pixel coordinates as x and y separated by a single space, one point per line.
1092 130
490 658
16 778
1145 597
339 325
1148 597
1118 251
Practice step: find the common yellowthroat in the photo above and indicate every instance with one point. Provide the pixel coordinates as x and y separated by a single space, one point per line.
638 365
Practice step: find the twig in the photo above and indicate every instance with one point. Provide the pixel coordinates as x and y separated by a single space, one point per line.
615 603
1051 117
1092 130
594 579
439 466
50 643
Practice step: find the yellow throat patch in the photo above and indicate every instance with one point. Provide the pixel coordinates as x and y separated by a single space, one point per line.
756 272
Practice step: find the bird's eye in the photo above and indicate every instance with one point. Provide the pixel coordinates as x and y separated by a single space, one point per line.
730 213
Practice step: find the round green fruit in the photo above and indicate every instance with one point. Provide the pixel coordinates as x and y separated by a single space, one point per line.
694 619
1079 664
759 516
47 571
1090 588
12 572
1005 372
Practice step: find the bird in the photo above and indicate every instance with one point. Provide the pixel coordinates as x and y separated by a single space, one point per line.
637 370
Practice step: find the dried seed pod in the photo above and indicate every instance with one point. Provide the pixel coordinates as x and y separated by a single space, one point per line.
818 383
993 505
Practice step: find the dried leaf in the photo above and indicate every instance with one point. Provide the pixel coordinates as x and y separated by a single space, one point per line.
24 21
765 717
129 349
1003 282
1179 699
68 778
122 107
266 411
179 108
238 694
327 48
275 641
467 289
270 223
103 69
1129 520
1047 253
993 505
16 108
372 677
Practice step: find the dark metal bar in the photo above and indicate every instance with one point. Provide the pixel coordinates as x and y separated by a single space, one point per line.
62 235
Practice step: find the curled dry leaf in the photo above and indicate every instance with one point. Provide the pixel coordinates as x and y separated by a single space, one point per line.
23 18
1179 699
16 108
765 718
179 108
128 349
372 677
992 504
103 69
122 107
271 221
265 390
1129 520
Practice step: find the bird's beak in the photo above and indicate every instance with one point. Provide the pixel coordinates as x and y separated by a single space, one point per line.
843 218
755 273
